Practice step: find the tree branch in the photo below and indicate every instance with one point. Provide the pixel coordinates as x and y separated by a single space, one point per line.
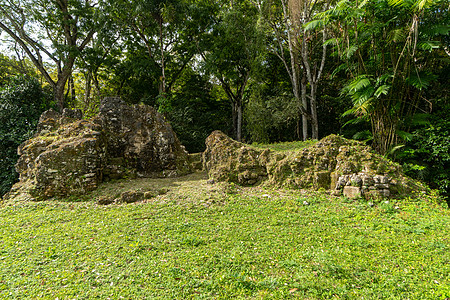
36 61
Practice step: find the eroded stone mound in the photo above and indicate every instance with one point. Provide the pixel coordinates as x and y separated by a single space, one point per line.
227 160
69 155
139 139
334 163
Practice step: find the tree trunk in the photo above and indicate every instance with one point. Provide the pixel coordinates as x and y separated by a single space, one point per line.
162 91
305 106
384 131
314 120
63 77
87 92
97 86
234 117
239 121
73 96
59 95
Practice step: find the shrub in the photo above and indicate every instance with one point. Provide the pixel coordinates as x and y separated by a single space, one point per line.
427 155
21 103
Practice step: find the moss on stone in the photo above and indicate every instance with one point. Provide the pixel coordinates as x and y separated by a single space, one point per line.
318 166
70 155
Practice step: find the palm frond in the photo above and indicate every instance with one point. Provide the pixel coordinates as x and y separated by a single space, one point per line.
396 2
332 42
420 5
441 29
417 120
359 83
383 79
406 136
363 3
313 25
350 51
397 35
382 90
429 45
365 135
421 80
395 148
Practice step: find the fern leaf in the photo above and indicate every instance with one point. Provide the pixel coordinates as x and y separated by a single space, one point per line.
350 51
365 135
406 136
423 4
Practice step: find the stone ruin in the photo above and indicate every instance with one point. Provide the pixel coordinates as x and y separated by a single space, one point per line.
343 166
69 155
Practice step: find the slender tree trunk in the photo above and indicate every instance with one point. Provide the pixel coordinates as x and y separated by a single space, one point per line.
97 86
239 121
72 90
163 67
305 106
294 71
87 92
234 117
314 119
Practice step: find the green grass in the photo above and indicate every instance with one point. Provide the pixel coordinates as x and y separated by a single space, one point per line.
221 241
285 146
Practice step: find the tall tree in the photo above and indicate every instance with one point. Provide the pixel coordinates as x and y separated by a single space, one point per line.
313 41
55 31
103 51
166 28
231 53
296 42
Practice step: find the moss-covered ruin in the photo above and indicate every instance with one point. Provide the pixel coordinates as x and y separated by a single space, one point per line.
334 163
70 156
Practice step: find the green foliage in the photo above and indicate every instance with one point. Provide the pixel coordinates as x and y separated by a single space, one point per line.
388 71
194 111
231 53
246 244
427 155
270 118
135 78
21 103
9 67
271 112
159 42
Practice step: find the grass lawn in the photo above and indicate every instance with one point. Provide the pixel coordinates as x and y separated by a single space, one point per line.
285 146
201 241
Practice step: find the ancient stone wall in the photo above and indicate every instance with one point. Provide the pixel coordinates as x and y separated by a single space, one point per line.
334 163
